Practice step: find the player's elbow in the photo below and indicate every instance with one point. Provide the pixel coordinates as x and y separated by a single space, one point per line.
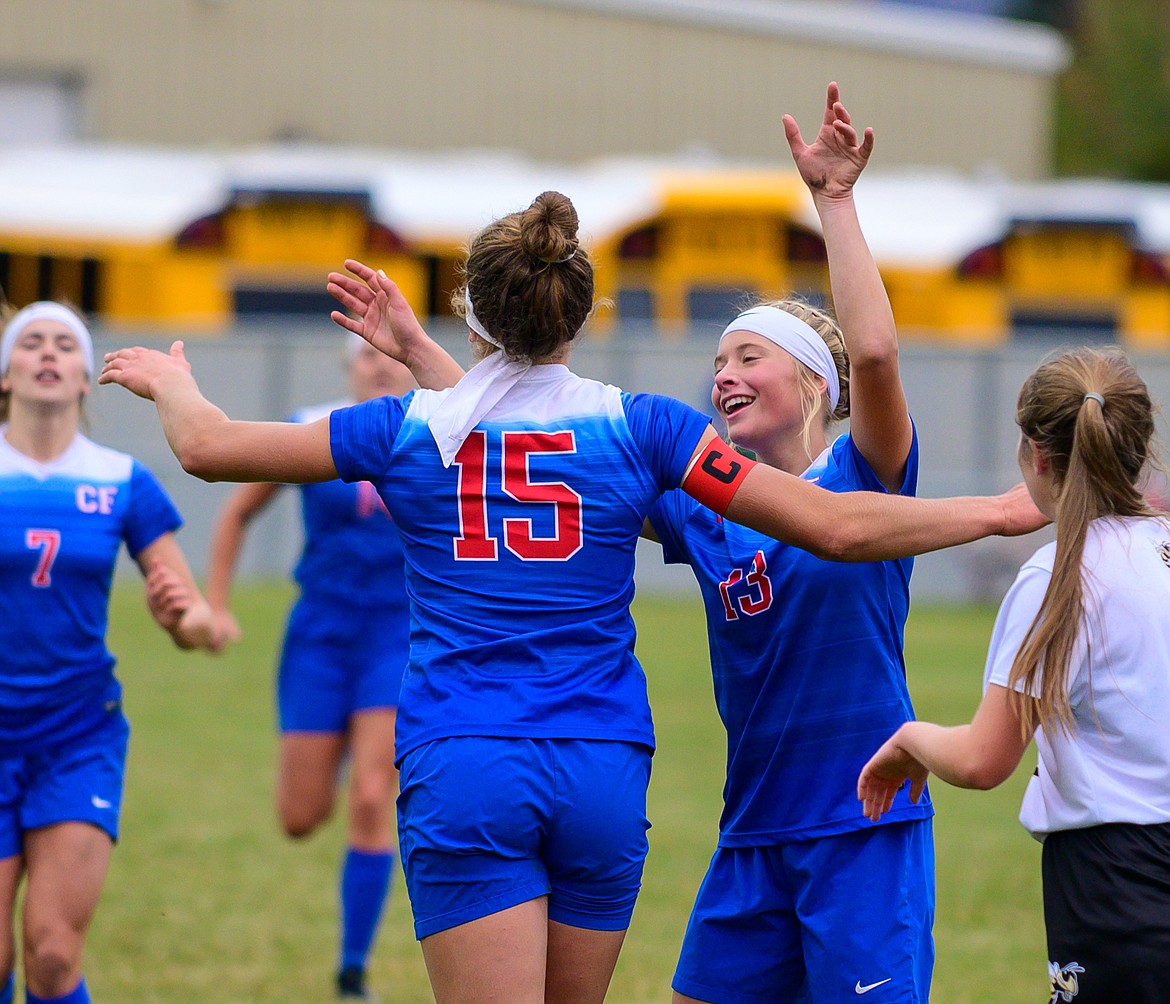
982 774
878 356
843 540
198 456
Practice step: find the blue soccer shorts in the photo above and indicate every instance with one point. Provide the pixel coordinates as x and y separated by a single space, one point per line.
77 782
488 823
336 661
839 918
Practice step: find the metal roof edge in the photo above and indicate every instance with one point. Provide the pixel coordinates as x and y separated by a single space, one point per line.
954 35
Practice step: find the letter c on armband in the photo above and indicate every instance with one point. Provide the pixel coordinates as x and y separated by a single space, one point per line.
716 475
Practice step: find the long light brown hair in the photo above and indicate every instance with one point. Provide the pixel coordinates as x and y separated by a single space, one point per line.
1098 453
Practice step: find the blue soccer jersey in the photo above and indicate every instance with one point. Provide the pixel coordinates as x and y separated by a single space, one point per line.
352 551
807 661
520 555
61 525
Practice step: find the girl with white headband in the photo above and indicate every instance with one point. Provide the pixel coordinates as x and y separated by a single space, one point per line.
66 506
805 899
523 733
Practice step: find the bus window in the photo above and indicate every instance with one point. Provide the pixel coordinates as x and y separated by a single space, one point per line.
253 301
25 278
1066 326
635 304
718 303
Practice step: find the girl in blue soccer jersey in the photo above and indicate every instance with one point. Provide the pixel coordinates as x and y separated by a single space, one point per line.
337 692
66 506
805 899
523 734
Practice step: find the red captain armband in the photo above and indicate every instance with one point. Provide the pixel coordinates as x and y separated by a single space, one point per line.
716 475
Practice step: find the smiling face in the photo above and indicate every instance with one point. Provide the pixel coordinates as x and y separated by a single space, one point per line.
757 391
46 367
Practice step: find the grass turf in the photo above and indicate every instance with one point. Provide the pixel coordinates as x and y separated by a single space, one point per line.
206 901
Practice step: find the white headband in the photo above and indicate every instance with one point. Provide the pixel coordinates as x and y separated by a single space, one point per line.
796 338
46 310
474 322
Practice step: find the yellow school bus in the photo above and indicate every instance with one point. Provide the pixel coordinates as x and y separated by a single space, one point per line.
986 262
198 240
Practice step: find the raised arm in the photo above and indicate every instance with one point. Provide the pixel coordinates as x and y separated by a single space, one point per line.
383 317
227 540
206 442
847 526
830 166
173 598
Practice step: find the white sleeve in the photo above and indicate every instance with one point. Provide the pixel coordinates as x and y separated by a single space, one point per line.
1015 617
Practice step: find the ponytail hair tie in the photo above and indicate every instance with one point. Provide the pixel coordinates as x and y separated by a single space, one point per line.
1095 397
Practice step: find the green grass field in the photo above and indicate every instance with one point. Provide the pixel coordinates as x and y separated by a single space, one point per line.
207 902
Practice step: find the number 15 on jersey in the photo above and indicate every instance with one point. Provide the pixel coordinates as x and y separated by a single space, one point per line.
473 542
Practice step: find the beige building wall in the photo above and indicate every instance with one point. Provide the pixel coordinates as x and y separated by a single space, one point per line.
556 79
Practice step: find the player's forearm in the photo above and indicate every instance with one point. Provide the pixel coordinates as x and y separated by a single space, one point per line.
432 366
192 425
859 295
859 526
950 753
226 543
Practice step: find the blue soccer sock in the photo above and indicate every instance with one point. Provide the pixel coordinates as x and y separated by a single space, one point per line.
365 885
79 995
8 991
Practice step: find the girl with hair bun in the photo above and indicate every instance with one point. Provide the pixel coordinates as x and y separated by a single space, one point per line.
1079 660
523 733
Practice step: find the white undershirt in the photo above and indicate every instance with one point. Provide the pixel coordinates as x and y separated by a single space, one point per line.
1114 767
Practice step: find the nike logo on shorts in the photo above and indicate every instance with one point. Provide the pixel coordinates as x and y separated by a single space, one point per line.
859 989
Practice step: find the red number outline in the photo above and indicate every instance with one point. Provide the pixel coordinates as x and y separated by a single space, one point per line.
757 578
517 483
517 447
49 543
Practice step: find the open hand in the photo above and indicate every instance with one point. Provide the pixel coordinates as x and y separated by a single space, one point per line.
140 370
1020 514
885 774
381 314
834 161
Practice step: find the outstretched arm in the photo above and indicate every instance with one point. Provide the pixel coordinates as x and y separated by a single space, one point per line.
207 443
830 166
173 598
383 317
980 755
847 526
227 540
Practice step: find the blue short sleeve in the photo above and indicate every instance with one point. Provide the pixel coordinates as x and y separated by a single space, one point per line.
150 514
856 471
669 517
362 437
667 432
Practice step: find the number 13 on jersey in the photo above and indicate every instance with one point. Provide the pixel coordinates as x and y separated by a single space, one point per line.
473 542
